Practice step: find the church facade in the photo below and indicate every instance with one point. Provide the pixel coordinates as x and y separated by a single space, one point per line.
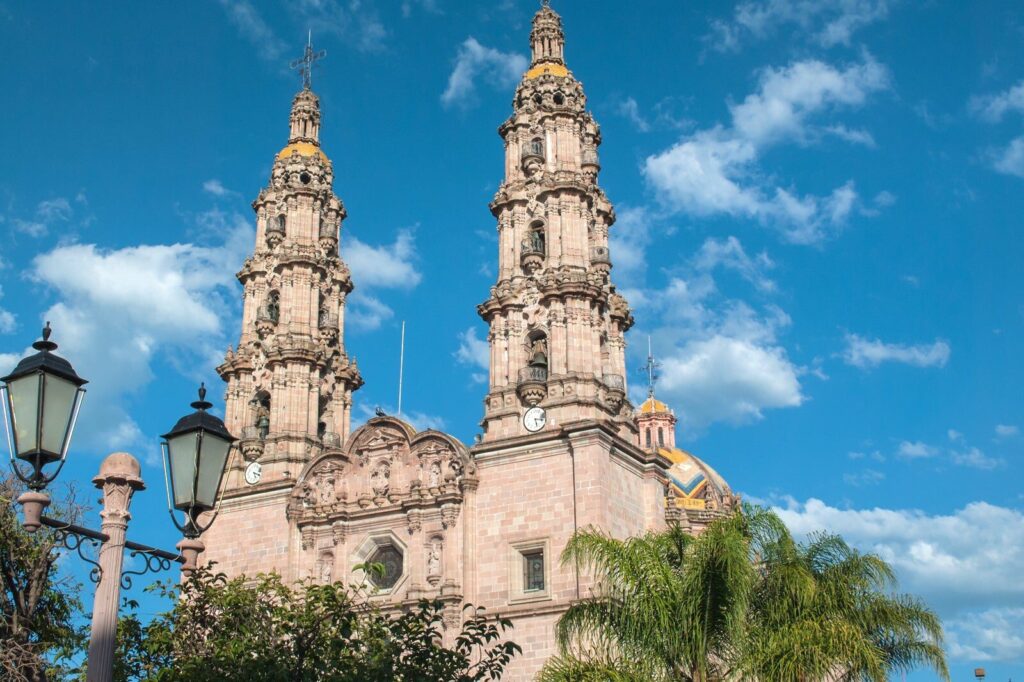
562 446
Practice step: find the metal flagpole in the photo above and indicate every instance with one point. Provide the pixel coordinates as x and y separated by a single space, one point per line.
401 369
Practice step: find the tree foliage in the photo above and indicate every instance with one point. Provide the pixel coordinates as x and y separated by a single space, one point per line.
38 629
744 600
263 630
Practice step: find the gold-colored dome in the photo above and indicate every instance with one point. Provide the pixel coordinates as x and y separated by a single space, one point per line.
652 406
302 149
552 69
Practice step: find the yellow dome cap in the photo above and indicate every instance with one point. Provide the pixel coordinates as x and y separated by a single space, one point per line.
652 405
302 149
552 69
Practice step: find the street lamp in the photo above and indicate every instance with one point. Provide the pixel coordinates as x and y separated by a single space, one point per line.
195 453
41 398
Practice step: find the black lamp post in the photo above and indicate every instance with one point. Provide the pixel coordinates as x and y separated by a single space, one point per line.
195 453
41 400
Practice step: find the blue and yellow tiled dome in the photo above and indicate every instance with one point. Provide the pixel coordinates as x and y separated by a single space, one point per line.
695 484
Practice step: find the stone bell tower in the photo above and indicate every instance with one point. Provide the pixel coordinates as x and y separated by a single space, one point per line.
557 324
290 381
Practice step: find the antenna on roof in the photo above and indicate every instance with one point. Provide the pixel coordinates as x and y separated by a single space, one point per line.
401 370
651 368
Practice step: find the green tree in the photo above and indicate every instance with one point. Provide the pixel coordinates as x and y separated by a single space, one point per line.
38 629
743 600
266 631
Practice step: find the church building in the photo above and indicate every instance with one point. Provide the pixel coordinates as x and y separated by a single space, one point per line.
562 446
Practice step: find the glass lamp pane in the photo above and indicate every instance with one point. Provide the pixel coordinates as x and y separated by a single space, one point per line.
182 451
25 405
58 404
211 465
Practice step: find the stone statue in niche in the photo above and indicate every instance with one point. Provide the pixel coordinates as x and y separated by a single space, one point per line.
380 479
435 474
539 353
434 558
324 569
261 417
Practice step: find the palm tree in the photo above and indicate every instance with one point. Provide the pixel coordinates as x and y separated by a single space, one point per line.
823 610
743 600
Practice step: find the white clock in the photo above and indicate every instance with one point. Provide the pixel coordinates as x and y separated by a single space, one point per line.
253 473
535 419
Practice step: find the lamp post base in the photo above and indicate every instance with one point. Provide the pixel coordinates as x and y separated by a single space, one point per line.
32 506
190 549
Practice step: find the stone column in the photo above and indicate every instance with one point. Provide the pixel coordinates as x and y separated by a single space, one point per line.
118 479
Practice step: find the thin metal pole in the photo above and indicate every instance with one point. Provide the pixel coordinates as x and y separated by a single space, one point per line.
401 369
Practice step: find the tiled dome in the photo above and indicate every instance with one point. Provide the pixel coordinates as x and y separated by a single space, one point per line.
695 484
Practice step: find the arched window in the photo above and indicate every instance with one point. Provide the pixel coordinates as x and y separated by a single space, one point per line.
648 437
281 222
536 147
661 437
273 307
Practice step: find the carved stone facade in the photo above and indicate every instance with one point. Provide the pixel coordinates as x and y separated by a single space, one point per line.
485 525
557 325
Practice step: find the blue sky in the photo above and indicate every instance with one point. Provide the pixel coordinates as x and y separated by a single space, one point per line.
819 205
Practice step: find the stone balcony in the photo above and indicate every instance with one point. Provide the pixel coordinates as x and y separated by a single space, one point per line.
330 440
600 258
266 319
532 384
615 389
275 233
251 443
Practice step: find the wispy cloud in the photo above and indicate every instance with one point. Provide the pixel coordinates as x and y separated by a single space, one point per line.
48 214
387 266
251 25
992 108
712 171
475 352
824 22
869 353
476 62
7 320
216 188
354 22
630 110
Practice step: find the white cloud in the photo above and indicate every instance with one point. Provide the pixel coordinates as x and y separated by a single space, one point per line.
852 135
729 253
630 110
354 22
246 18
868 353
916 449
825 22
1007 430
627 240
864 478
7 320
389 265
1011 159
975 459
713 171
117 309
993 108
476 61
366 313
217 188
48 214
475 352
932 554
720 359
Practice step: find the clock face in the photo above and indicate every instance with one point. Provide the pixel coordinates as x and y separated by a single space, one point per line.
253 472
535 419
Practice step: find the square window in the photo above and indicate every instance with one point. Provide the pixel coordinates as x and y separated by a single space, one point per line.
533 571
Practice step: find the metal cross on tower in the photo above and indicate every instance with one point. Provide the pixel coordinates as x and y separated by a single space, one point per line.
306 62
